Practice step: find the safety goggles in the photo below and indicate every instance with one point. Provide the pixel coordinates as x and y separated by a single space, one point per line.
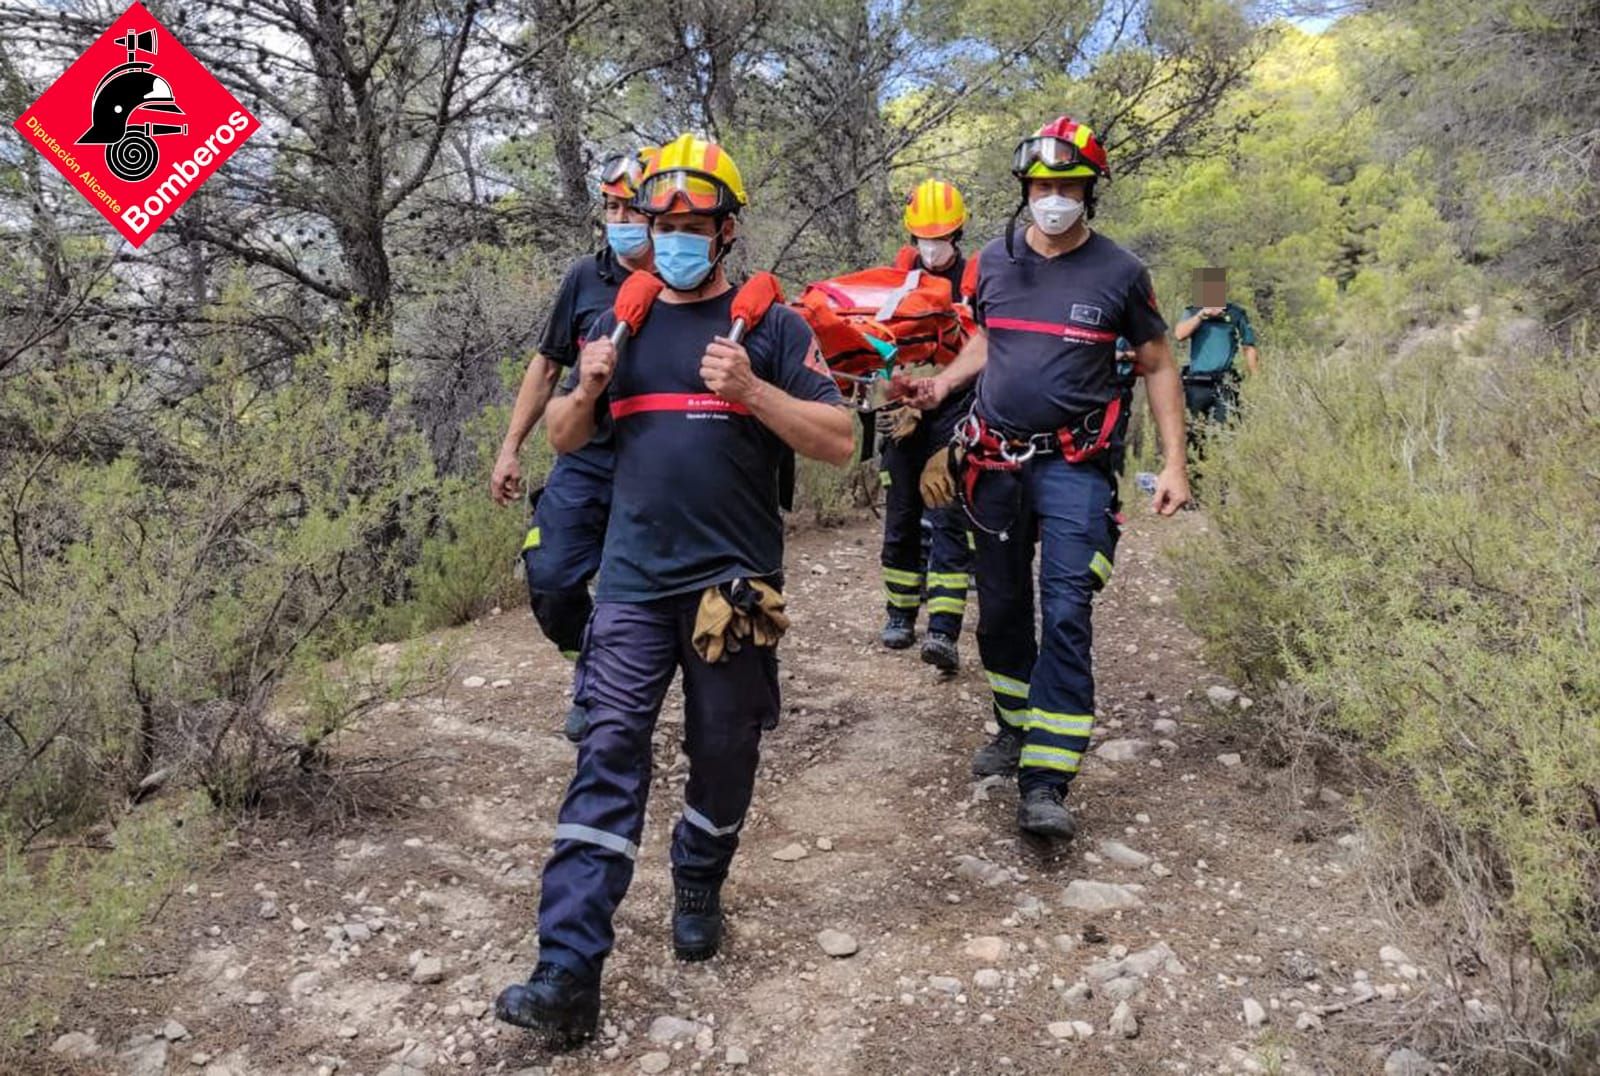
622 170
685 192
1055 154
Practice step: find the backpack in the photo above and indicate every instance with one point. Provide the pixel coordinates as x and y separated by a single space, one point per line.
857 317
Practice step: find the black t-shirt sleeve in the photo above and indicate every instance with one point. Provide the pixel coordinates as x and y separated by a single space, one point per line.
1141 317
796 365
559 343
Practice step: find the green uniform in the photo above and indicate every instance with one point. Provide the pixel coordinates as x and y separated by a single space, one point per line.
1216 343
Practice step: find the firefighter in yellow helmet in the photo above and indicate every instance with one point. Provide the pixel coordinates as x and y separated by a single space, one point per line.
935 216
702 416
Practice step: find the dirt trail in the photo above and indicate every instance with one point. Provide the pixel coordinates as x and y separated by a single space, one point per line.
968 961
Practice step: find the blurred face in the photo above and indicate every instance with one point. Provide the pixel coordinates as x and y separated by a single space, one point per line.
1210 287
1074 188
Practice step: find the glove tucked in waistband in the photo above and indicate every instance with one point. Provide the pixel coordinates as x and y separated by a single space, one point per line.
730 614
938 481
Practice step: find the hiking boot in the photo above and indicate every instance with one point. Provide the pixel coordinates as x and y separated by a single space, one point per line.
554 1003
939 650
577 720
696 923
1042 814
999 756
899 633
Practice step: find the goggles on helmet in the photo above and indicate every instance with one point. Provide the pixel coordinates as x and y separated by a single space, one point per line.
621 171
685 192
1055 154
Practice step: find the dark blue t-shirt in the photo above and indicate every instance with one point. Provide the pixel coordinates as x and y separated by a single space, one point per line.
695 492
1052 325
587 291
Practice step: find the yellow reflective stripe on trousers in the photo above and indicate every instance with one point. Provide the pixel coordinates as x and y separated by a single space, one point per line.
902 577
957 606
903 601
1063 724
885 479
1017 719
1005 685
1100 566
953 580
532 540
1050 758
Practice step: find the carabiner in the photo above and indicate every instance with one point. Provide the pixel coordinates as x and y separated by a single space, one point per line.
1029 451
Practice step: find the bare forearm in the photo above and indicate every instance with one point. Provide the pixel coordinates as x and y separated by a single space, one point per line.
1252 361
1164 386
819 431
533 395
1185 328
968 364
569 421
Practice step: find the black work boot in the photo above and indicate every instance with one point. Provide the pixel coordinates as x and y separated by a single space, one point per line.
900 632
577 720
999 756
696 922
554 1003
939 650
1042 814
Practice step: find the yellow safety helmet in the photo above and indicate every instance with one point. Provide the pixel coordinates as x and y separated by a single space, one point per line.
691 175
935 209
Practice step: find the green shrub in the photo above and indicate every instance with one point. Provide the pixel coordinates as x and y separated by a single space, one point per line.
470 562
152 600
78 910
1412 542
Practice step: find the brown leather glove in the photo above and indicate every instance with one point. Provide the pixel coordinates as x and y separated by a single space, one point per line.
711 624
896 421
758 612
938 481
744 611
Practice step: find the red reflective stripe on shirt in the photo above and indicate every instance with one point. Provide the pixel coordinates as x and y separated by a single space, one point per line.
698 402
1050 328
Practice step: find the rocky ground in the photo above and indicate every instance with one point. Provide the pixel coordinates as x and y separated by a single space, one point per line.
884 916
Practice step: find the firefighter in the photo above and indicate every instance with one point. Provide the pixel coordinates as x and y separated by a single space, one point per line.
935 215
1035 463
561 551
682 560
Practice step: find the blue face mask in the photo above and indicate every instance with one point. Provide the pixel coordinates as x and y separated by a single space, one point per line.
628 239
683 259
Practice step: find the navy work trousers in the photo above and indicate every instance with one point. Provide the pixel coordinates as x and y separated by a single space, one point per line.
631 651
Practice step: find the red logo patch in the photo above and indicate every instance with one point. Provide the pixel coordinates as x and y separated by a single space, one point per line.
136 124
